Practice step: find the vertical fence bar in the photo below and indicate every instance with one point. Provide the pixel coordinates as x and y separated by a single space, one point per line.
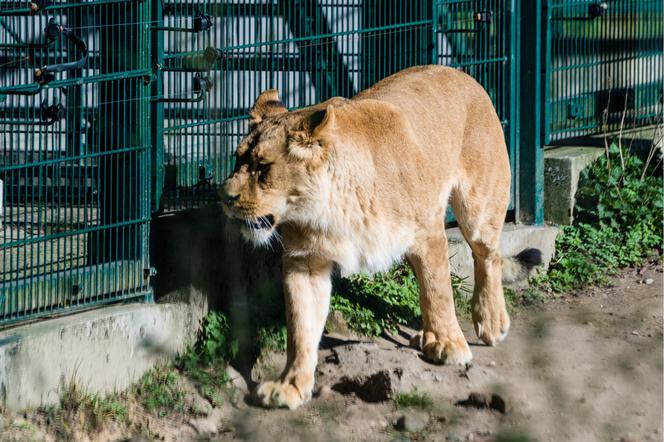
156 106
530 164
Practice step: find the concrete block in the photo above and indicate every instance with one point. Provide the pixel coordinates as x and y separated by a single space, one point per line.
562 169
514 239
101 350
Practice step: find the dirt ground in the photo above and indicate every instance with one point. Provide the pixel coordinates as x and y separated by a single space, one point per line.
584 367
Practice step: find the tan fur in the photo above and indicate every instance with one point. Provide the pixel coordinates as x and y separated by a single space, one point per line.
362 183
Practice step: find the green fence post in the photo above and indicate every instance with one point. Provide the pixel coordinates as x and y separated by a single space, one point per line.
530 155
157 107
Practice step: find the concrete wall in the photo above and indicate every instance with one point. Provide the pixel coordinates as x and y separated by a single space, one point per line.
102 350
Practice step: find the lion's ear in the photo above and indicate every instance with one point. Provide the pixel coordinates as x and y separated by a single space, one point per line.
267 104
308 143
320 121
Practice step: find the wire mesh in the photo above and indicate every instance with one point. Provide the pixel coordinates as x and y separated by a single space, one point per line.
74 155
310 50
603 66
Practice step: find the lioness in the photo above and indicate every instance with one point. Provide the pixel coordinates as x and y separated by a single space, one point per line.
360 184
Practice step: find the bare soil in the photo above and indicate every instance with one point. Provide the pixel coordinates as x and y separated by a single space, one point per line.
583 367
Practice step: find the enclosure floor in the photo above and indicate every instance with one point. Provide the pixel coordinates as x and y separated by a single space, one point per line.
583 367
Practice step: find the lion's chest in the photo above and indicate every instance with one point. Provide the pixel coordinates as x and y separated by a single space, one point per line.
370 250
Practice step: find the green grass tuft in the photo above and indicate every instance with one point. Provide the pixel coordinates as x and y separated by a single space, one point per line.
413 399
159 391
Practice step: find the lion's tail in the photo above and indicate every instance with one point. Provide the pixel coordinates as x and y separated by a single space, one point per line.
518 267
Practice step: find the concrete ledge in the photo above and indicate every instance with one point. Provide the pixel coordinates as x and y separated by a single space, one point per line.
100 350
562 169
514 239
563 166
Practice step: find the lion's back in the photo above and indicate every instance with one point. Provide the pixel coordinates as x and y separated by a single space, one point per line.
451 115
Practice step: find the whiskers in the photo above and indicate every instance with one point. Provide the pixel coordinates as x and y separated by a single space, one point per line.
266 234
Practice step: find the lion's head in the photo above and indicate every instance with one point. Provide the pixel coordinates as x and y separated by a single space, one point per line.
277 166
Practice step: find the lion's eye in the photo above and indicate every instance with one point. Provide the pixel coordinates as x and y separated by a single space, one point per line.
262 170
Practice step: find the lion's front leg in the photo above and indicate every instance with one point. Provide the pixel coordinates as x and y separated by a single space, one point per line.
307 288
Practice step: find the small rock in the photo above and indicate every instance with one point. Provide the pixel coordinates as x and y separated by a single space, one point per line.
470 437
236 397
236 379
336 323
197 405
498 403
354 354
649 281
482 400
492 363
377 387
412 421
635 333
438 378
204 426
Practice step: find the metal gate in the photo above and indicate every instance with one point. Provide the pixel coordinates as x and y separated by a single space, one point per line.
604 63
74 154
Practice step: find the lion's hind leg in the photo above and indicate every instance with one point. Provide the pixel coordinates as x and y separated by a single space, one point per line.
442 340
481 222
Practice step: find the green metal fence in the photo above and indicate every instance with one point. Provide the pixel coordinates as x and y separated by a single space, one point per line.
74 154
311 51
111 110
603 66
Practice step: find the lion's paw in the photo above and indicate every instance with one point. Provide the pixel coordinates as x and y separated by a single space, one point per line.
277 394
491 323
448 352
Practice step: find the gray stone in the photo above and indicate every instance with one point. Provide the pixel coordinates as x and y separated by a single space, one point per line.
562 169
514 239
412 421
377 387
336 323
204 426
236 380
103 350
354 354
197 405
